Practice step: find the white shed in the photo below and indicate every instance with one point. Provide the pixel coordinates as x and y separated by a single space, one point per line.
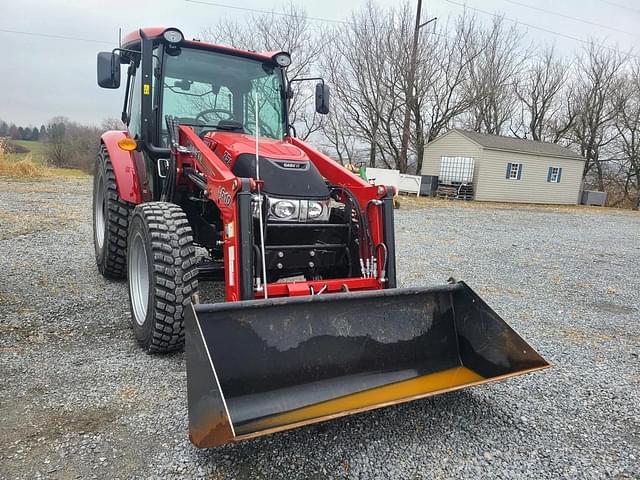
505 169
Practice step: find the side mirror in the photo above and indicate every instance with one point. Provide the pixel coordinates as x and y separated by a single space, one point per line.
322 98
108 70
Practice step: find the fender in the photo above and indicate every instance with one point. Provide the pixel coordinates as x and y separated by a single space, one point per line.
124 167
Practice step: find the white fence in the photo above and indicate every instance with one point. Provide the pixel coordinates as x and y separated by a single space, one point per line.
401 181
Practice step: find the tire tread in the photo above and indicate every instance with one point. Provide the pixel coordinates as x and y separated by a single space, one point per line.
175 272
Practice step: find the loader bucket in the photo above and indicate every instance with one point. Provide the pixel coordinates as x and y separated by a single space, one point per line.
260 366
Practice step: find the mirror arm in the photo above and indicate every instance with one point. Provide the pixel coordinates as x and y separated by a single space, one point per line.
306 79
133 53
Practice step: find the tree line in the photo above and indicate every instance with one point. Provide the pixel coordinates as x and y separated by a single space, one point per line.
14 132
471 73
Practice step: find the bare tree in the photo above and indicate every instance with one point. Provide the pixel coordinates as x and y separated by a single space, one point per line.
355 63
397 81
292 32
442 76
597 79
627 125
339 136
539 90
70 144
493 75
112 124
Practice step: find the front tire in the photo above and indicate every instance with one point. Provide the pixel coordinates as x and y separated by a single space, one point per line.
162 274
110 220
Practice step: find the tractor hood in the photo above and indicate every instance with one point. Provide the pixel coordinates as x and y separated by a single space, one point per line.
228 145
285 169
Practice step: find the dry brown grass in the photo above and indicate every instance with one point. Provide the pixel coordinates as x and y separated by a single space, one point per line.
413 202
10 167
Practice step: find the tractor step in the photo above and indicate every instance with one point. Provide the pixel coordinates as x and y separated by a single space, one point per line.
210 270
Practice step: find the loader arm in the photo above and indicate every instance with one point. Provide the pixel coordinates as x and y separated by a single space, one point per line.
204 169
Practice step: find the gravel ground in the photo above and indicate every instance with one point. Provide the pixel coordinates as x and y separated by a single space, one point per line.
78 398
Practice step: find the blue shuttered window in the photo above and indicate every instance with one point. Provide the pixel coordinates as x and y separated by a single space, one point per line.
554 174
514 171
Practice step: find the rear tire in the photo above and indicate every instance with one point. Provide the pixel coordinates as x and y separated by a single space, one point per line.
162 274
110 220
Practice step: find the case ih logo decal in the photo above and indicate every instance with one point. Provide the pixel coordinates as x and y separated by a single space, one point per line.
291 165
224 196
226 157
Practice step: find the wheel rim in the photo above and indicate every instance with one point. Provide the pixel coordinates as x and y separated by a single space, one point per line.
100 216
138 278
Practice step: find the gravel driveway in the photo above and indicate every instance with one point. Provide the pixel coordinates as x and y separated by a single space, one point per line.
78 399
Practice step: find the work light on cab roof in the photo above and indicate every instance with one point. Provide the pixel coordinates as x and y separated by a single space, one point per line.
282 58
173 35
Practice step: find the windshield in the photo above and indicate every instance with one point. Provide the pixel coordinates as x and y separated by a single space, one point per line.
217 91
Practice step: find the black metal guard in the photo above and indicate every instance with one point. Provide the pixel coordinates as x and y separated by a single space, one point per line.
389 237
245 233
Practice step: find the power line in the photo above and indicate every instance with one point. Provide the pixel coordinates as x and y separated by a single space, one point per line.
59 37
624 7
283 14
268 12
535 27
558 14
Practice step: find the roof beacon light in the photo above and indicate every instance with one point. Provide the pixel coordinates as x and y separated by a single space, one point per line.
283 59
173 36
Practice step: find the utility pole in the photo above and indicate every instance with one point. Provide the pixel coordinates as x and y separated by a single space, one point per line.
410 94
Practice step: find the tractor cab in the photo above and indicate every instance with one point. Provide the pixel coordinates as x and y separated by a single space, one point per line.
207 87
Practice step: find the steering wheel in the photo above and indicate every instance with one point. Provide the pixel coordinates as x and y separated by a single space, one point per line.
201 120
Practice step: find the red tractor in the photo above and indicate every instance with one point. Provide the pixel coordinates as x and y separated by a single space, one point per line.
209 182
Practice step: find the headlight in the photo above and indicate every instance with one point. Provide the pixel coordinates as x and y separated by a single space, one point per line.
285 209
291 210
314 210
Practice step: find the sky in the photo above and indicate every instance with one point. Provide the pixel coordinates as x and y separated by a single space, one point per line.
42 77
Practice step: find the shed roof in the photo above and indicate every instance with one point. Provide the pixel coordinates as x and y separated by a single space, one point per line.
500 142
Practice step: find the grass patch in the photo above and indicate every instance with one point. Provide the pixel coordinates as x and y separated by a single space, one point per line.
35 149
30 164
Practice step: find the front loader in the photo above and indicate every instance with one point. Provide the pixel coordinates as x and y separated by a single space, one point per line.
210 183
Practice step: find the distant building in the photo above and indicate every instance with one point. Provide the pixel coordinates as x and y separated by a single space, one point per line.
503 169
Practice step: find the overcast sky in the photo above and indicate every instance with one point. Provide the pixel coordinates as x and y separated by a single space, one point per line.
43 77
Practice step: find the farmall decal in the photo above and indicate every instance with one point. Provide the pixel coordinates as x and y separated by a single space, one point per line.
199 157
226 157
195 152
